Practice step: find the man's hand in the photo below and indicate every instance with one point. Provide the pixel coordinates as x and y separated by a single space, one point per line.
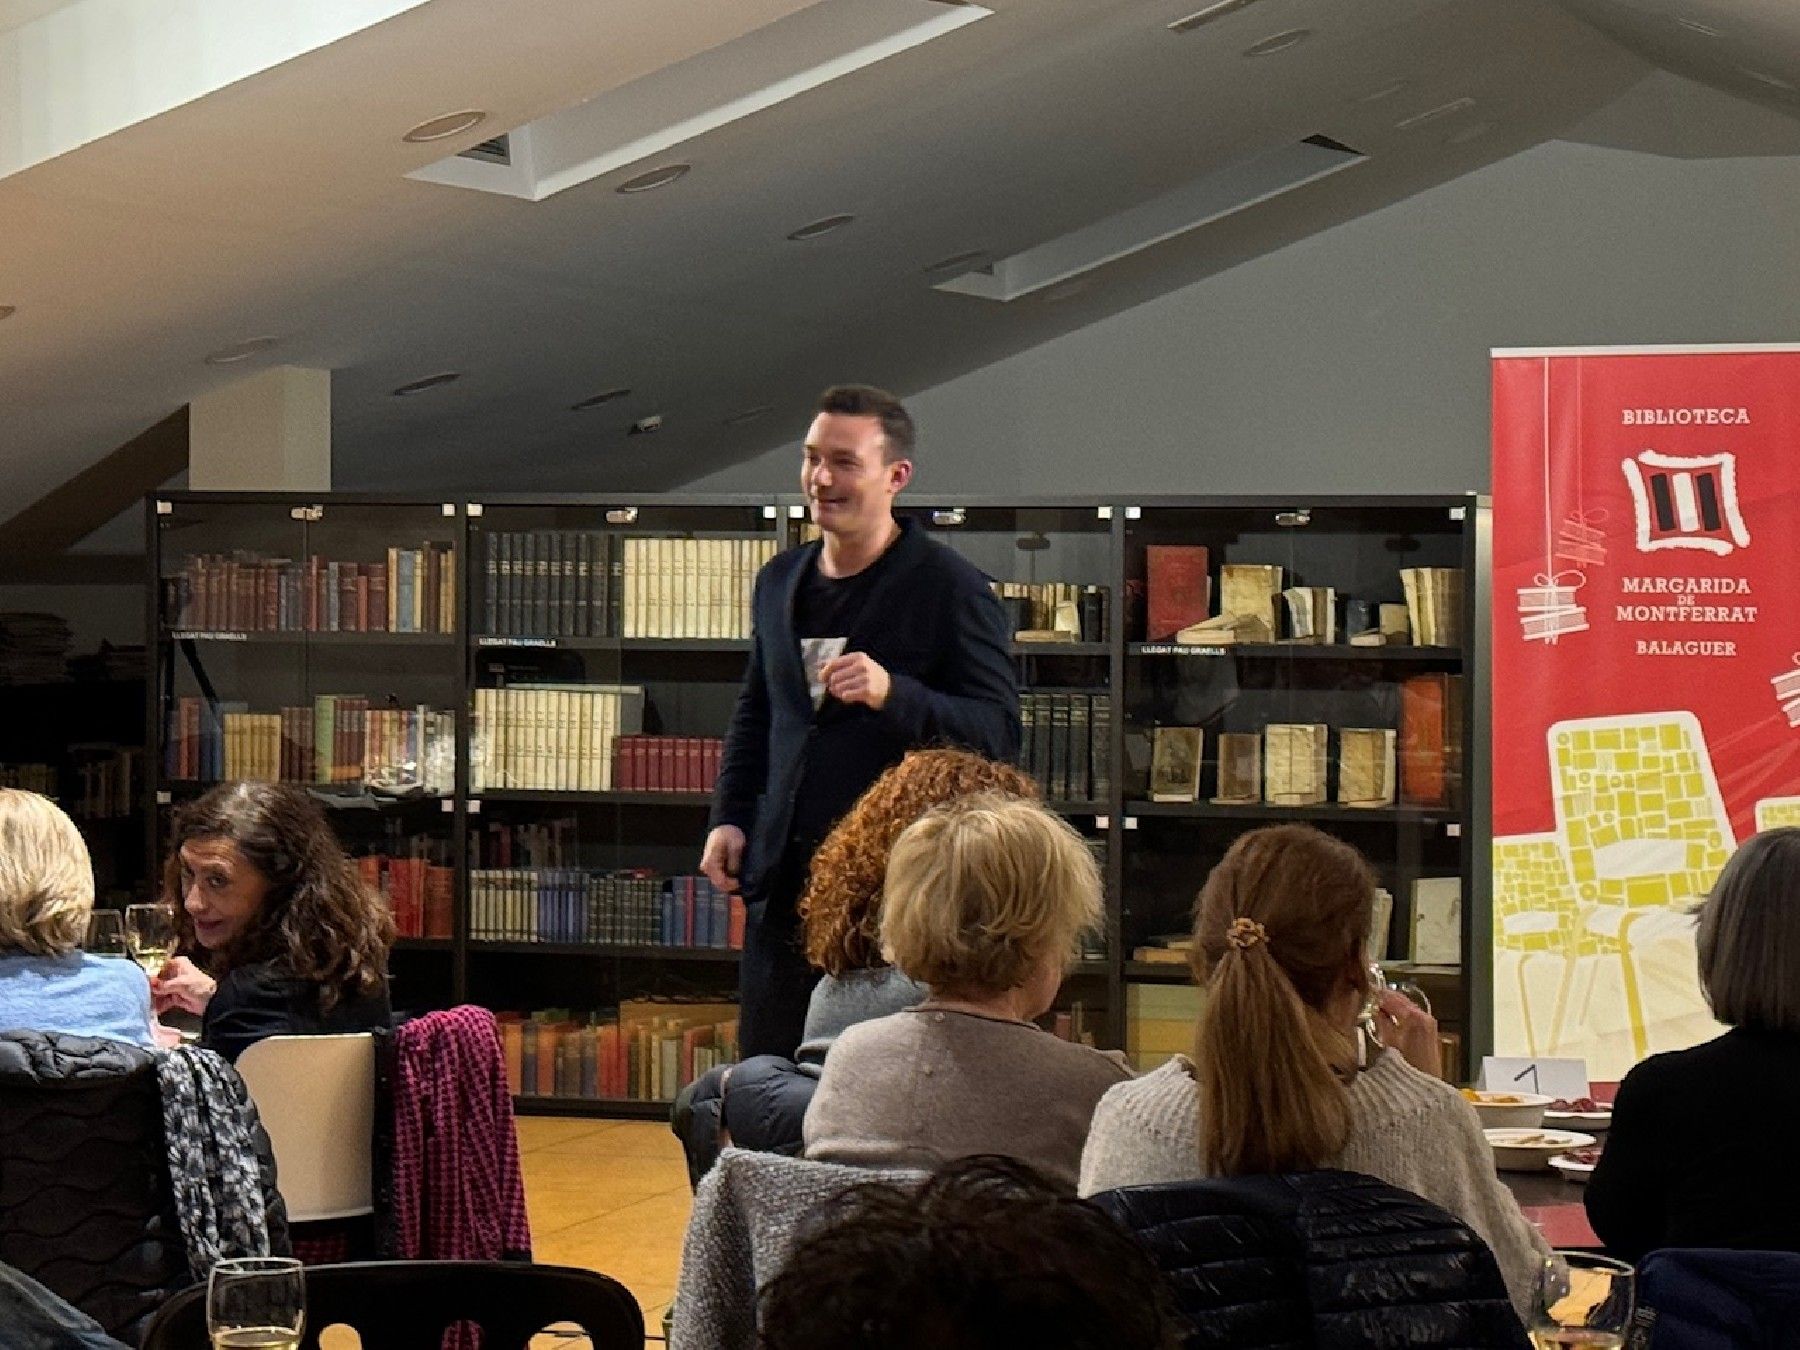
723 857
856 677
1408 1028
181 984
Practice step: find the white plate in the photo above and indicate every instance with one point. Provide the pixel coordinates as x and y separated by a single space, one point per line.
1594 1122
1521 1110
1570 1170
1531 1150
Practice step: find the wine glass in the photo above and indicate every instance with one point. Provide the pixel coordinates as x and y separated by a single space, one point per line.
149 932
256 1303
1583 1301
106 934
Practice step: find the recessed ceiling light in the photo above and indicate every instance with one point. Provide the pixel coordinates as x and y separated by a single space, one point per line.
443 128
429 382
595 400
1278 42
820 227
1207 13
645 426
1470 133
1773 81
1695 26
961 262
655 178
1386 91
1433 114
748 415
241 351
7 311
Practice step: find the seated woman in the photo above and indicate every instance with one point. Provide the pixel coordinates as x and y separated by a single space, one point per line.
1700 1153
760 1103
985 900
46 896
277 934
1281 1081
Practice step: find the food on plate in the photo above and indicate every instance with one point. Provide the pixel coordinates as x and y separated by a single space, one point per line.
1493 1098
1586 1156
1580 1105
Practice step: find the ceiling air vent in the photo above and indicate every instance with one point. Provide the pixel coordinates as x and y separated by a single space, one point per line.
495 150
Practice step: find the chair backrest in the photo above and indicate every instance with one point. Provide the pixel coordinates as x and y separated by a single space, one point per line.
86 1207
316 1097
1321 1258
407 1305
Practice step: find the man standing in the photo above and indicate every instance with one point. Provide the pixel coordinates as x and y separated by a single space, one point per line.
868 642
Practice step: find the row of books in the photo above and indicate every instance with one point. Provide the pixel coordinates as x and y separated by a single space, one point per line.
635 907
412 591
647 1052
666 763
1065 743
1053 611
420 892
38 778
109 781
550 737
588 583
337 739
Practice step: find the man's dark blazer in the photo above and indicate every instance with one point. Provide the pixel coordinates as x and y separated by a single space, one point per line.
933 624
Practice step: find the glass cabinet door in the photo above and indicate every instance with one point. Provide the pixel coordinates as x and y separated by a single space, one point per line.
1300 663
610 644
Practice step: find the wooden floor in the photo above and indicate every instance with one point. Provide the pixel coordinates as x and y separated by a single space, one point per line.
609 1195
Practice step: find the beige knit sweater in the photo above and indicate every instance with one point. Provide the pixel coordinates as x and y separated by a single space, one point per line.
1407 1129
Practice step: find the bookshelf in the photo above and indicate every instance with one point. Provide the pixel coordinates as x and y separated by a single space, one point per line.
572 628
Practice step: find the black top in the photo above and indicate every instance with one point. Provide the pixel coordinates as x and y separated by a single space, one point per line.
928 616
260 1000
1701 1152
832 607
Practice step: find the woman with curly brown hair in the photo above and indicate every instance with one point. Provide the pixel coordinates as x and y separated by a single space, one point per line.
275 933
841 913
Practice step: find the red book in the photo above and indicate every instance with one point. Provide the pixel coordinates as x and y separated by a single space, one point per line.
734 923
659 763
378 603
1179 591
439 901
690 761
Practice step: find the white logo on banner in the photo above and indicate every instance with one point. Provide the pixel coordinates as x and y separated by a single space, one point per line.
1686 502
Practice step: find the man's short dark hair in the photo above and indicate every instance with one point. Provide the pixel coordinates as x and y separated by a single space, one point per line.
865 400
986 1255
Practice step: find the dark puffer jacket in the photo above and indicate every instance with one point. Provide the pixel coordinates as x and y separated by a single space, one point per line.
85 1203
1318 1259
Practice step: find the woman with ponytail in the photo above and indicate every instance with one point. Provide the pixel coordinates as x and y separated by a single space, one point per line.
1281 1079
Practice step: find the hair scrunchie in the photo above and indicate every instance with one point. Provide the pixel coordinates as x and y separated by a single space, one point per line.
1246 933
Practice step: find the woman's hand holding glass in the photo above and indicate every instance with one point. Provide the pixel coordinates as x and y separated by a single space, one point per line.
182 985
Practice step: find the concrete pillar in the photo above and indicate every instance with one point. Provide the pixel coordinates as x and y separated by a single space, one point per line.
268 432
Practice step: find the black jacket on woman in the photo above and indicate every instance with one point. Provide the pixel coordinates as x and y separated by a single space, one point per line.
261 999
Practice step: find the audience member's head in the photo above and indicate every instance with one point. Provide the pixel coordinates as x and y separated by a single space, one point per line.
985 1255
842 902
46 877
256 875
1749 939
1280 933
989 894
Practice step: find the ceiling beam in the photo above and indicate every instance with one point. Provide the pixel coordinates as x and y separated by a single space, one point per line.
66 515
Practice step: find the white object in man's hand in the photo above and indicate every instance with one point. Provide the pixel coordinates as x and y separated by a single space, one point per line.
857 678
723 857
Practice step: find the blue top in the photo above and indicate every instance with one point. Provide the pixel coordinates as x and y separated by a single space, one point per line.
80 994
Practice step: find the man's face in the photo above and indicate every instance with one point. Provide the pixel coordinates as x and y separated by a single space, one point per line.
847 482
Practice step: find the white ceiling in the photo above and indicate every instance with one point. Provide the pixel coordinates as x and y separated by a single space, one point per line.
280 206
18 13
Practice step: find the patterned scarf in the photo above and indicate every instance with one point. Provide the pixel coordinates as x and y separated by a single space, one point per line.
210 1125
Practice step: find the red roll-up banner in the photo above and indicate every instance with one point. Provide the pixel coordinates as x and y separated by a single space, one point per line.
1646 676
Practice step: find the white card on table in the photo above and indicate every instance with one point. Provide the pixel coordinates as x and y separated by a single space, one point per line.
1565 1078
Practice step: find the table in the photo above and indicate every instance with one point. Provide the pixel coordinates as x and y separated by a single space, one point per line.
1555 1206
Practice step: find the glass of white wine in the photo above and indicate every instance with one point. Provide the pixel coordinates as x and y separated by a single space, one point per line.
1584 1301
150 932
256 1303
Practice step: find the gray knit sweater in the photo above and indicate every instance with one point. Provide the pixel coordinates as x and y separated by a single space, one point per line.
1407 1129
841 1001
925 1086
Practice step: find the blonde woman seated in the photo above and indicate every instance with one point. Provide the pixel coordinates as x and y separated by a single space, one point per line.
1281 1080
984 902
46 895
